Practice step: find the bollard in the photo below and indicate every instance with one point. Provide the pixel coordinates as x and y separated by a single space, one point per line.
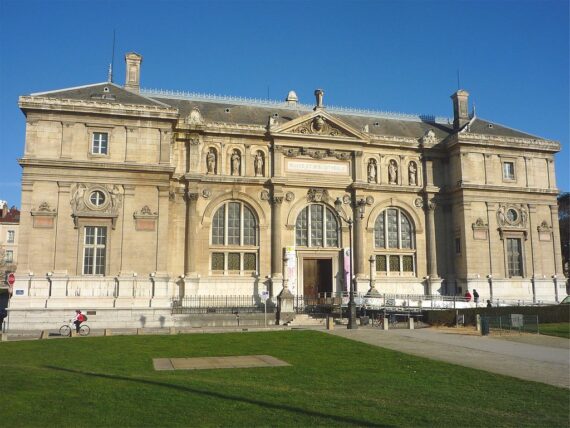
478 318
108 332
4 337
73 333
140 331
385 324
172 330
45 334
411 323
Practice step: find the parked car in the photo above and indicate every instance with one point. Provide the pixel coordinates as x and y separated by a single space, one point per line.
565 301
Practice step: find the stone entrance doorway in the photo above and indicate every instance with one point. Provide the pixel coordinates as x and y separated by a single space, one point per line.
317 277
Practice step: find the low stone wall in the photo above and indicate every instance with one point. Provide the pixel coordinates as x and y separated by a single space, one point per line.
546 314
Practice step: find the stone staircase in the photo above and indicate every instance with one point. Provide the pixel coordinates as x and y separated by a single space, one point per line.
307 320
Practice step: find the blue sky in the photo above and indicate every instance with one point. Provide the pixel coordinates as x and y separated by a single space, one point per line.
401 56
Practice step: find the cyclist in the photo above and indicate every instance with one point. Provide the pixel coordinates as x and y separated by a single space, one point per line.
79 318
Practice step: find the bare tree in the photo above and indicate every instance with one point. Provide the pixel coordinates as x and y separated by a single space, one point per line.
564 221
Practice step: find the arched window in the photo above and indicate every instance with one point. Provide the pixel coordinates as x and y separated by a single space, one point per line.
394 242
316 226
234 242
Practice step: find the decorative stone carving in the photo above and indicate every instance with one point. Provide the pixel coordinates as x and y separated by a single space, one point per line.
206 193
369 200
340 155
236 162
393 172
43 217
413 174
480 229
291 152
277 200
317 195
102 201
346 199
258 164
314 153
145 219
419 203
195 117
211 161
289 196
544 231
429 138
318 126
264 195
512 216
191 196
372 171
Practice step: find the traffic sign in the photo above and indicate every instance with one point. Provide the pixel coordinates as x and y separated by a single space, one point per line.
11 278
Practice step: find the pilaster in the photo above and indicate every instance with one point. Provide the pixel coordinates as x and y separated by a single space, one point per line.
65 234
191 233
162 230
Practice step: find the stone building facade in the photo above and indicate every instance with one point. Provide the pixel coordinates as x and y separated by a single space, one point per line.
132 197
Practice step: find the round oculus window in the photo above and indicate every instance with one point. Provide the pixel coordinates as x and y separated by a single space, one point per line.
97 198
512 215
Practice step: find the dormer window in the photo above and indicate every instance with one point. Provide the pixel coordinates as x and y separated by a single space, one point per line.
100 143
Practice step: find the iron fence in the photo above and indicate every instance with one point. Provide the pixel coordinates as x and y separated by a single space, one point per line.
511 323
225 304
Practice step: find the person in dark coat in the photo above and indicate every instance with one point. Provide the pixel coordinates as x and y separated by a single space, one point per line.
475 296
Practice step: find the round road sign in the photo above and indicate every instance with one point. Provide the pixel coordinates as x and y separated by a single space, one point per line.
11 278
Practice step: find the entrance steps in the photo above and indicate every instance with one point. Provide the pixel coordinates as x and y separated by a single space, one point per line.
307 320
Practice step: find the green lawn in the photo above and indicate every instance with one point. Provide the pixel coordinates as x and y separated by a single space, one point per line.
561 329
109 381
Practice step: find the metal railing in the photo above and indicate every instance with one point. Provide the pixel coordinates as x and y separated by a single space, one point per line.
224 304
511 323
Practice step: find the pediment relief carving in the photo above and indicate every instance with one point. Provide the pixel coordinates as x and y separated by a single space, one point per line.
317 124
293 152
317 195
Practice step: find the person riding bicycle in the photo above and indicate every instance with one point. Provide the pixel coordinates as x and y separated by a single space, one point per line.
79 318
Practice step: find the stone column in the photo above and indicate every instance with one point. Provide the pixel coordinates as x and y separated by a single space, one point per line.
556 240
495 252
431 240
165 139
65 233
276 246
162 231
359 259
191 223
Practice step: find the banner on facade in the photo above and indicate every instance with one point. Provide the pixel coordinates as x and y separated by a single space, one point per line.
347 273
291 269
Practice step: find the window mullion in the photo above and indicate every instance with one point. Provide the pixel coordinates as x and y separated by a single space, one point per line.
309 227
399 230
226 216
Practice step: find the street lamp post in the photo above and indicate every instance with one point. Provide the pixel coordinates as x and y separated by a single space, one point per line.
351 303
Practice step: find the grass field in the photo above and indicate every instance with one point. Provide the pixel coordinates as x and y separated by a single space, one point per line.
561 329
109 381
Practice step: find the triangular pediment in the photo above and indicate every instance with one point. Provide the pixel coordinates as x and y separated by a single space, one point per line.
318 124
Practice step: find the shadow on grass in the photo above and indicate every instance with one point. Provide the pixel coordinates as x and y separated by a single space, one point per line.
222 396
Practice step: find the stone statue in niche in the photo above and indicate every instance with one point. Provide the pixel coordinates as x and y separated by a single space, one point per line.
524 216
77 202
393 172
372 171
413 174
501 216
236 162
211 162
258 164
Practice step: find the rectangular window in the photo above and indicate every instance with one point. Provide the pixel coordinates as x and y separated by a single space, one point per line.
514 256
11 236
316 225
394 263
380 263
249 263
508 170
218 226
9 256
233 261
392 217
301 229
217 261
457 245
94 250
408 263
100 143
248 228
233 223
331 227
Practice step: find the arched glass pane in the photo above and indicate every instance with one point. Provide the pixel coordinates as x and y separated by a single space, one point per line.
301 227
332 229
379 236
392 220
218 224
316 225
406 231
233 223
248 227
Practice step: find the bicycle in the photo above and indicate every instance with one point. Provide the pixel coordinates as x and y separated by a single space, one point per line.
66 329
378 321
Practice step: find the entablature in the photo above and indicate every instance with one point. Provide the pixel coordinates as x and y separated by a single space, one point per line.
483 140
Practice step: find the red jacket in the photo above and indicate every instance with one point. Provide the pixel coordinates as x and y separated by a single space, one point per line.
468 296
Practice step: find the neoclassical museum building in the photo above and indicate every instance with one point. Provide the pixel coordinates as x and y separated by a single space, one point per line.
133 197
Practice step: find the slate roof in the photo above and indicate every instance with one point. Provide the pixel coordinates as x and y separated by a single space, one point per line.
254 113
11 216
259 115
97 92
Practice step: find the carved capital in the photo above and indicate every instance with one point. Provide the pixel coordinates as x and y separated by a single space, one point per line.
277 200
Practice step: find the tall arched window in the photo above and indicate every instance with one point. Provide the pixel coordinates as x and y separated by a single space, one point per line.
234 244
394 242
316 226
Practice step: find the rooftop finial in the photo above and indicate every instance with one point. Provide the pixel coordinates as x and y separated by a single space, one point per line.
319 93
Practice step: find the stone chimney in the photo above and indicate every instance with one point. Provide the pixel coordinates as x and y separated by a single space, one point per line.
292 98
133 66
319 94
460 108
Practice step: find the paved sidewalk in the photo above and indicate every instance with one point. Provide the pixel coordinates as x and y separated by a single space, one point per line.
546 361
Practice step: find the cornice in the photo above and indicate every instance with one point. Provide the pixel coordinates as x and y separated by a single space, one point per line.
27 102
60 163
224 179
500 141
507 189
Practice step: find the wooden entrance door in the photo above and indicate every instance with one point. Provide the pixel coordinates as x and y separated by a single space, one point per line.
317 276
